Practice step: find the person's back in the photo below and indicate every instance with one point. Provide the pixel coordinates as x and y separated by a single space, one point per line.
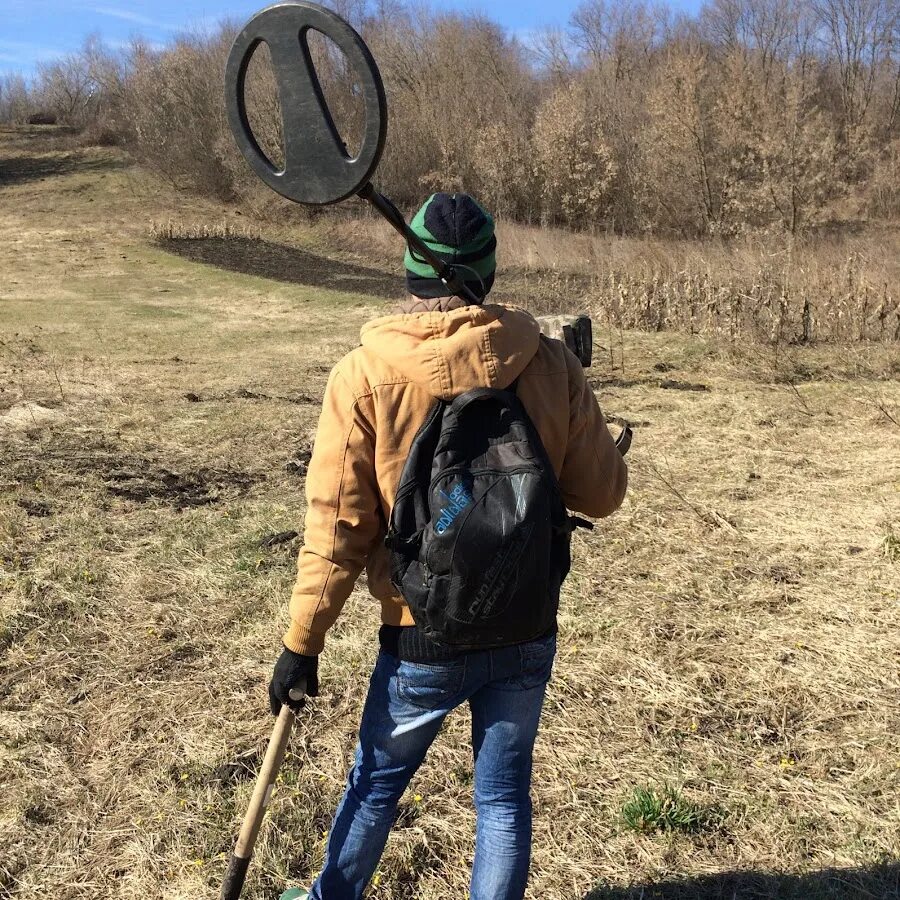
378 397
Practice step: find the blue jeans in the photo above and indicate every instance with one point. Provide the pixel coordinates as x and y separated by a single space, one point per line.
406 704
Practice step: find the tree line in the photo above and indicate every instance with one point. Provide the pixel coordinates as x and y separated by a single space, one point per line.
777 115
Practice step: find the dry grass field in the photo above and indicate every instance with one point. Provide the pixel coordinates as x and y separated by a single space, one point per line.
724 720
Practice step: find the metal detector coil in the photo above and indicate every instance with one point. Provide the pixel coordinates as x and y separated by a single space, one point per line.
318 170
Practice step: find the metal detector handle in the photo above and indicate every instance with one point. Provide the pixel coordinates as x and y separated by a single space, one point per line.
445 272
239 863
623 441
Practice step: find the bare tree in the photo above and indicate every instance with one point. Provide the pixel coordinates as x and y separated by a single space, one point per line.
16 99
858 36
174 115
618 36
681 180
553 51
575 165
451 80
67 89
765 28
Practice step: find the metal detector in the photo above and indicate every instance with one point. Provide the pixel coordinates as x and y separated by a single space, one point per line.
318 170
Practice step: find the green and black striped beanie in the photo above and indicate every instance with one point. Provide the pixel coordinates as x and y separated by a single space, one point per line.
459 231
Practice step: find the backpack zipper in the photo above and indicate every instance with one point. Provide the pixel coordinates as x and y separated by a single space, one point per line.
457 470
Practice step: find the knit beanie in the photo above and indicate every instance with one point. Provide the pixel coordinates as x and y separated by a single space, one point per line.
459 231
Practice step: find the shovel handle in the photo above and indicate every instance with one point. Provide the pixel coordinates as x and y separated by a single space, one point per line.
262 793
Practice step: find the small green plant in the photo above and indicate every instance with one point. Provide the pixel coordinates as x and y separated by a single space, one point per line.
649 810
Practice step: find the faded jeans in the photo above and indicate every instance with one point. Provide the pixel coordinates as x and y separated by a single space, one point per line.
406 704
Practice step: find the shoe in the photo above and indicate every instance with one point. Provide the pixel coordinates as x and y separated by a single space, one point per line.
295 894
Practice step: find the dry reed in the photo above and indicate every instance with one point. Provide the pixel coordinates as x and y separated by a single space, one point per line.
831 290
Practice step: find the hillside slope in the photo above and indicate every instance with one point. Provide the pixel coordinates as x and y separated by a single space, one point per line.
733 632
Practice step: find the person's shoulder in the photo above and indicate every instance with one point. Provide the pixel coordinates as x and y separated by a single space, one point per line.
553 357
363 371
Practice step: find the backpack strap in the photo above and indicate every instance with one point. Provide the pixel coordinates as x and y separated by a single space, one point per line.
394 542
458 404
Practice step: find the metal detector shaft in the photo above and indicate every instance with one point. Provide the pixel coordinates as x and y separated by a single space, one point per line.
445 272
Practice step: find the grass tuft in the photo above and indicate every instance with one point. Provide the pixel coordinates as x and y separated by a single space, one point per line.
186 230
890 546
649 810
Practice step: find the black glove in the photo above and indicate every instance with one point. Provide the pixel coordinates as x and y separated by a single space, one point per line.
290 670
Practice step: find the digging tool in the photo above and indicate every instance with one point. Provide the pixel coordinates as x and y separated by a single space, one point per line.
262 793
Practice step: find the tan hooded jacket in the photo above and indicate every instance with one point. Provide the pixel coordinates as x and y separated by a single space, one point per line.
377 399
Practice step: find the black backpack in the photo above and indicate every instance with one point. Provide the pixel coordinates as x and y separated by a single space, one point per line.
479 534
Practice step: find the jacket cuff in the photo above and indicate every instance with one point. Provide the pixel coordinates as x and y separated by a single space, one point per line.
301 639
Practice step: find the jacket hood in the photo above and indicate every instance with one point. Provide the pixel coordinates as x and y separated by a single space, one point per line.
454 352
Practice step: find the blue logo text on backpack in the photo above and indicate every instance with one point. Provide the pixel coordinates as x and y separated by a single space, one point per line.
479 534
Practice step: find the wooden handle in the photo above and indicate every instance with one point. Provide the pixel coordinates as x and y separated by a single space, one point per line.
262 793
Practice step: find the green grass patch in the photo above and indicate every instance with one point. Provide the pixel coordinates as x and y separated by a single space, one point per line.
650 810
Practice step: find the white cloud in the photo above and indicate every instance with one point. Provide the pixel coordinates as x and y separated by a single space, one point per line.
26 52
126 15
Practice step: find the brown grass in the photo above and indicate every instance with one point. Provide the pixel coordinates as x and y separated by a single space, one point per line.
186 230
732 633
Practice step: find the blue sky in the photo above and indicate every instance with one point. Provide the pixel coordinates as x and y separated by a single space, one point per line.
32 31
